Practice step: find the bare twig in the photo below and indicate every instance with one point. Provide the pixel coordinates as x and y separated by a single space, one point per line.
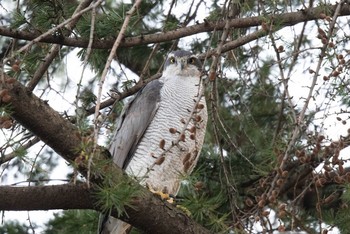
14 154
52 30
231 190
86 58
91 38
300 119
55 49
302 113
112 54
285 79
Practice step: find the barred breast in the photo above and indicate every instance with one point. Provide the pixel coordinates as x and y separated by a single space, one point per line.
170 147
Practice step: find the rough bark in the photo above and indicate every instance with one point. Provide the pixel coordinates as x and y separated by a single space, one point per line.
38 117
46 197
150 213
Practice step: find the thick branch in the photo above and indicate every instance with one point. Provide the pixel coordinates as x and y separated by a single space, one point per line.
45 197
63 137
38 117
281 20
150 210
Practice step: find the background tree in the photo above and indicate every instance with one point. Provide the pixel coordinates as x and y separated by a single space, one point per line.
277 80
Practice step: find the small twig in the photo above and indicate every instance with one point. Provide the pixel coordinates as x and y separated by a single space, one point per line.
301 116
218 118
156 46
311 88
112 54
218 50
30 222
285 79
54 51
231 190
40 71
52 30
88 52
34 162
14 154
230 45
125 94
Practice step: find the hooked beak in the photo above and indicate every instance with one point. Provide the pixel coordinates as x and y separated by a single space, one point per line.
182 63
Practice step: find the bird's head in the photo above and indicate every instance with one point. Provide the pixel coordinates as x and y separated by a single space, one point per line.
182 63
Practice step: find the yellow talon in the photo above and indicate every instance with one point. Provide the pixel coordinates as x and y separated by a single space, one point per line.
166 196
163 195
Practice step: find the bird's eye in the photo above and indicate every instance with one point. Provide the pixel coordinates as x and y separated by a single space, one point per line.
172 60
191 60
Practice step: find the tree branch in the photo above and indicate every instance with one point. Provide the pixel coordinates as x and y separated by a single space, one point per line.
149 209
285 19
63 137
55 49
46 197
38 117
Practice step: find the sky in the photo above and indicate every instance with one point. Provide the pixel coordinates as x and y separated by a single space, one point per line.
298 88
73 72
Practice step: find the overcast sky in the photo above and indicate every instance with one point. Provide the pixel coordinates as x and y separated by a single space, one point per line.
300 81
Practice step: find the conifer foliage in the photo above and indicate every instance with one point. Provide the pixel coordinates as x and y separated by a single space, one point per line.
277 88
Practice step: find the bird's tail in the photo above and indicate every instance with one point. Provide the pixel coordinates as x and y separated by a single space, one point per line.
111 225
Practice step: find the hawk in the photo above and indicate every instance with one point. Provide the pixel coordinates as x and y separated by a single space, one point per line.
160 132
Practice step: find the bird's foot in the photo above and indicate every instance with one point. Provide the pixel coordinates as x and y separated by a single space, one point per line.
163 194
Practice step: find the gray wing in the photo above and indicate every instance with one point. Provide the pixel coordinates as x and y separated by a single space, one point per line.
133 122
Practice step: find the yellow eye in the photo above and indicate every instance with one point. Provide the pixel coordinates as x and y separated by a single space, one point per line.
172 60
191 60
